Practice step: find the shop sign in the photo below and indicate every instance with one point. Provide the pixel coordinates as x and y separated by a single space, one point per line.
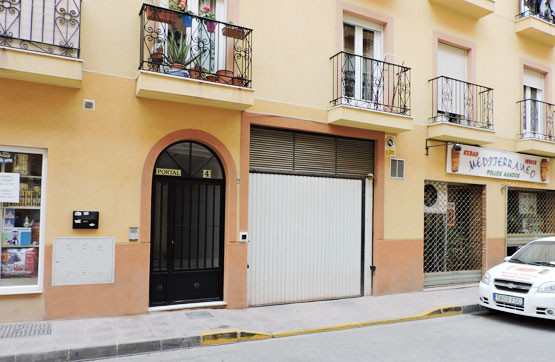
487 162
9 187
167 172
390 146
6 157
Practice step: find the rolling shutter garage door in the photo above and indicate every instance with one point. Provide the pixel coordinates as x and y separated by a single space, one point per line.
305 216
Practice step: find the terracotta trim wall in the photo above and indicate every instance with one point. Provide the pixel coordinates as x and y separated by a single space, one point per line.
467 45
386 21
547 74
249 119
230 174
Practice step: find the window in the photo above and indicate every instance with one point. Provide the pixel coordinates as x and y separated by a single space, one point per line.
396 168
22 173
363 76
452 68
533 97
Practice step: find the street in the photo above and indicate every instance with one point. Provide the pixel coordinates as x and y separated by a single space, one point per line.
469 337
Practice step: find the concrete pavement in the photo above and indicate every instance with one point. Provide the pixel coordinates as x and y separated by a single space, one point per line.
64 340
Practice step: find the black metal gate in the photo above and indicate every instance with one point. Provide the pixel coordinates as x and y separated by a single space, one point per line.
187 236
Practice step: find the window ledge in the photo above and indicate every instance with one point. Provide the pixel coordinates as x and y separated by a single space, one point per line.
536 147
537 29
193 91
40 68
444 131
475 9
375 120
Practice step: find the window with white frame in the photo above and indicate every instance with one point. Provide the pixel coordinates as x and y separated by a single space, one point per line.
362 43
22 195
533 97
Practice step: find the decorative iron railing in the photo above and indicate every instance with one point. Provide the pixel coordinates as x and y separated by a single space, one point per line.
463 103
536 120
196 47
45 26
537 8
371 84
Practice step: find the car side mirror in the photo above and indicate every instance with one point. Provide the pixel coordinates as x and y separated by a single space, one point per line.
507 258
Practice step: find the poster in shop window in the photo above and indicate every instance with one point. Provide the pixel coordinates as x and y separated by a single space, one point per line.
487 162
9 187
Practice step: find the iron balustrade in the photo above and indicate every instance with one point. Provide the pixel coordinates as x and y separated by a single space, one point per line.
44 26
540 9
463 103
187 45
368 83
536 120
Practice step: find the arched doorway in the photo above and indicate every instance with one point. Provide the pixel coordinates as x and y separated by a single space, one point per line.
187 226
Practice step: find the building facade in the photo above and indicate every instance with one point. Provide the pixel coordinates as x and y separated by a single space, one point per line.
237 153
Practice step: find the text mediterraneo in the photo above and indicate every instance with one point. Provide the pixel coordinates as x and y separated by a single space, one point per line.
487 162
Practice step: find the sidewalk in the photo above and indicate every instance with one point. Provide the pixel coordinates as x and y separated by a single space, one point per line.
108 337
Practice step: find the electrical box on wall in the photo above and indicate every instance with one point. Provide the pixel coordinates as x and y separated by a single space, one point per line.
85 219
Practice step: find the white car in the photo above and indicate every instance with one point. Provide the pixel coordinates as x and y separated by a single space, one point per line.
525 283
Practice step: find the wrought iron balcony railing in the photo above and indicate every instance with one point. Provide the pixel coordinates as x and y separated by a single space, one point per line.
536 120
463 103
371 84
540 9
45 26
196 47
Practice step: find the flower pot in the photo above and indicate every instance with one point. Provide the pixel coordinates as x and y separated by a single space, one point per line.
157 58
238 81
210 26
225 76
196 73
161 15
178 69
187 20
236 33
212 78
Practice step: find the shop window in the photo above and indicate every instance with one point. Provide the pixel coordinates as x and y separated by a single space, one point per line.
530 214
21 195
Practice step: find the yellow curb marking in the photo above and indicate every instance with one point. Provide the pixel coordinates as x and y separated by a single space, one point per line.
230 336
219 337
250 336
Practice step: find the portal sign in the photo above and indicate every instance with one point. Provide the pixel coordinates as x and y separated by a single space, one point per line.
487 162
167 172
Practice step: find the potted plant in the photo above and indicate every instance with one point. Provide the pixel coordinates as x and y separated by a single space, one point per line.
178 55
209 14
186 17
239 81
160 15
197 72
231 31
157 56
212 78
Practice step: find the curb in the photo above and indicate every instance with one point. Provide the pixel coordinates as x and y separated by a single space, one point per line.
214 338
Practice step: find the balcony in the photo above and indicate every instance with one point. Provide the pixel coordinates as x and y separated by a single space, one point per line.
39 42
195 60
475 9
537 135
370 94
461 112
535 21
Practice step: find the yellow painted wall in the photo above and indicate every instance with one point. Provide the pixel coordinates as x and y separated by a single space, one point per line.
96 158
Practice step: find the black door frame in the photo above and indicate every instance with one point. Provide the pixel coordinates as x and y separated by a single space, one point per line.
170 246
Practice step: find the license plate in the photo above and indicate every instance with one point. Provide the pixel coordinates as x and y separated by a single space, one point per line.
508 299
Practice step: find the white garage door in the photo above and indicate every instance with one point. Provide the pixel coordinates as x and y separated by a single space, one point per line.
305 238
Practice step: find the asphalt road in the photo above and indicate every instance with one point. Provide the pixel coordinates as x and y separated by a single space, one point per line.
471 337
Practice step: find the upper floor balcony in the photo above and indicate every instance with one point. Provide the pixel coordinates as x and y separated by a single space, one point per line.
536 20
40 40
461 112
472 8
370 94
194 59
537 133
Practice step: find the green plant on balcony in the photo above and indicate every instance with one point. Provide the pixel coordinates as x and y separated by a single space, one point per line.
179 52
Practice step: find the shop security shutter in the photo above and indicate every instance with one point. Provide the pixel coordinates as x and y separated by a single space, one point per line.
300 152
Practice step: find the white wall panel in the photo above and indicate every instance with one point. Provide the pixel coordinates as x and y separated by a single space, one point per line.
305 238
